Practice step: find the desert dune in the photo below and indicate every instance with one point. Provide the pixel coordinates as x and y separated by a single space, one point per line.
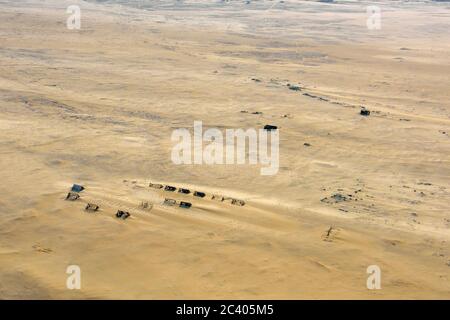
97 107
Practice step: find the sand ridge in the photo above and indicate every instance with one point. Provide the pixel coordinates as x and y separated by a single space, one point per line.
97 107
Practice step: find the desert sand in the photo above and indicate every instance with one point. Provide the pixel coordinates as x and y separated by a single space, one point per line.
97 107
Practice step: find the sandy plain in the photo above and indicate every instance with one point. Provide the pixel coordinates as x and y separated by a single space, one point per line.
97 106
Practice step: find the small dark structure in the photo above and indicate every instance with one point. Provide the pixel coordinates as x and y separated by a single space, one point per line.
122 214
146 205
169 202
170 188
77 188
199 194
185 205
155 185
71 196
91 207
270 127
339 197
329 231
237 202
185 191
217 197
293 87
364 112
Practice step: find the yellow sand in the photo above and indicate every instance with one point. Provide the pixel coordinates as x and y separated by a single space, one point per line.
97 107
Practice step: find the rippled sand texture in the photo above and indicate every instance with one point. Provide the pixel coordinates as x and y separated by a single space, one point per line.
97 106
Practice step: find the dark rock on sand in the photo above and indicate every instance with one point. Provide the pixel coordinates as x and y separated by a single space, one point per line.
364 112
269 127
